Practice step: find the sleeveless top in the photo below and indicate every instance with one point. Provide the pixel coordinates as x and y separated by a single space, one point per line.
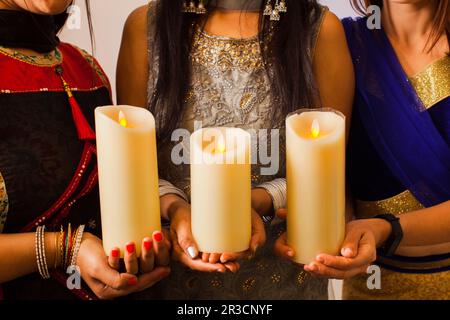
230 87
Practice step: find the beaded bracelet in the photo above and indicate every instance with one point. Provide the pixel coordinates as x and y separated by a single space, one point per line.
77 245
40 252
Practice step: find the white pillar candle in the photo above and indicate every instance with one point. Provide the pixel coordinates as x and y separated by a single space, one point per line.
221 189
128 175
315 170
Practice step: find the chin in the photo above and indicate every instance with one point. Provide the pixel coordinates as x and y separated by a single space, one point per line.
48 7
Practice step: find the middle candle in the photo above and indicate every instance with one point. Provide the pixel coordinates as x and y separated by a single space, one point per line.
221 189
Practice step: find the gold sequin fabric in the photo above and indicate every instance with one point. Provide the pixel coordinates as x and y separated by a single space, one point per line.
3 203
433 84
226 54
416 283
400 286
401 203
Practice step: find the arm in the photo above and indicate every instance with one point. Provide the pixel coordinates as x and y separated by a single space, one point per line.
429 226
132 66
19 255
333 70
424 227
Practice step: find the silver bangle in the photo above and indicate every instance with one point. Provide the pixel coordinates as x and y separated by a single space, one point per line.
41 259
277 191
166 188
77 246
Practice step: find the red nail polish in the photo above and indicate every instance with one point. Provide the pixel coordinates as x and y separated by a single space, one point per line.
158 236
132 281
115 253
130 247
148 245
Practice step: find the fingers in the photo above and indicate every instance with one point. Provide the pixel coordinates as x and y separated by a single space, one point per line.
214 257
144 282
282 213
205 257
147 260
114 259
130 258
351 242
185 239
195 264
282 249
258 232
112 278
162 254
321 270
226 257
232 266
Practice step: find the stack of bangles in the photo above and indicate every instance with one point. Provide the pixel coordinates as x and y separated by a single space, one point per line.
67 246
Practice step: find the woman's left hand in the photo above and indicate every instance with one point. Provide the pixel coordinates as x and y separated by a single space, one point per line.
358 250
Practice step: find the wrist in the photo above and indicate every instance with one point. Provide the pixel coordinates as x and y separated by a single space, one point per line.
51 245
175 206
382 229
262 202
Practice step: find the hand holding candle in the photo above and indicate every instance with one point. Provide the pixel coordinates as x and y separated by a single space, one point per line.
221 189
128 175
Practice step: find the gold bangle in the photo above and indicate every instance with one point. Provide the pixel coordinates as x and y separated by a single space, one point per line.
55 264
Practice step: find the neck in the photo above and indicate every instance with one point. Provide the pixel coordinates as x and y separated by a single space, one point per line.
409 23
233 24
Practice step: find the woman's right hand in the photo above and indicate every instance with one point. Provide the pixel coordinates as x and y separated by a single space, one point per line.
184 247
103 277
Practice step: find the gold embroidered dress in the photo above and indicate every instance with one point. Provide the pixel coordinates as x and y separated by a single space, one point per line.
230 87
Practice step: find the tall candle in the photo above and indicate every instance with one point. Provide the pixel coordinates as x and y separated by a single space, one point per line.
128 175
315 164
221 189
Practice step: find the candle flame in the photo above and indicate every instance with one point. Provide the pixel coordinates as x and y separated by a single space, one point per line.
220 148
122 119
315 129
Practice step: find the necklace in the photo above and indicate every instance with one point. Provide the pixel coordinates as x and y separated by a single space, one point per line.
48 59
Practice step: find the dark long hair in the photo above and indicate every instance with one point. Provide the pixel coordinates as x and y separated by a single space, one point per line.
441 22
284 47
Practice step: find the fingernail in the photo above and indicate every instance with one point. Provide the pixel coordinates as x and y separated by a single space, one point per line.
192 251
115 253
320 259
130 247
132 281
347 252
313 267
290 253
148 244
158 236
220 270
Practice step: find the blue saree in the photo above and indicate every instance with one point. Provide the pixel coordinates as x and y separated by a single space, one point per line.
399 154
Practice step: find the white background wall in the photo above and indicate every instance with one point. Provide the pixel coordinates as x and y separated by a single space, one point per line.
109 17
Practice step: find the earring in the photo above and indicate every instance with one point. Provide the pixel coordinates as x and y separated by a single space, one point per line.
191 8
268 9
201 8
275 16
282 7
274 11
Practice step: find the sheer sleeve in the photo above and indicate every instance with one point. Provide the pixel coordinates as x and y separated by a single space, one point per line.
277 191
3 203
165 188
